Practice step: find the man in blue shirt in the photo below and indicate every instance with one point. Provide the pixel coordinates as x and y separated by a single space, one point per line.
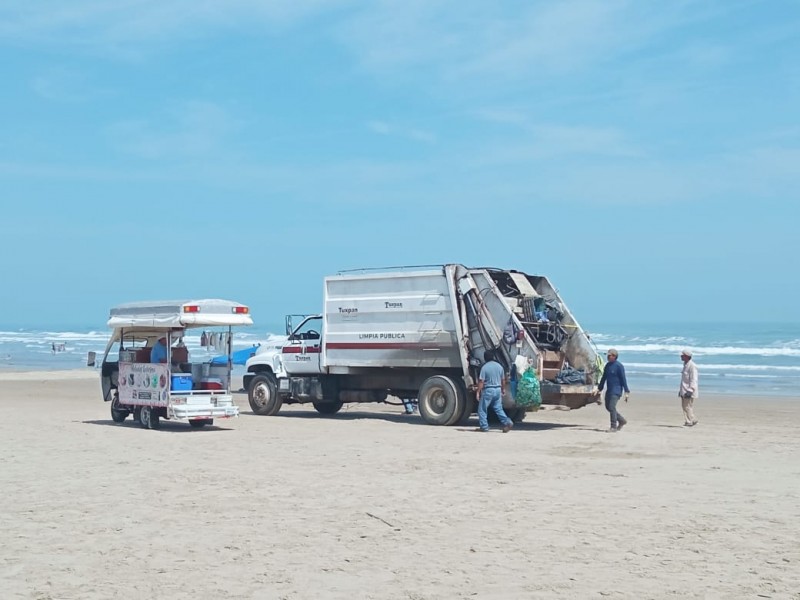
159 352
491 388
615 382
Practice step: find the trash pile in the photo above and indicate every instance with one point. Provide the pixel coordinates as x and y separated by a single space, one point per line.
544 319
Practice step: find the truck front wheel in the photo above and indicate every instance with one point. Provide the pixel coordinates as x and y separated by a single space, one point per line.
263 395
441 401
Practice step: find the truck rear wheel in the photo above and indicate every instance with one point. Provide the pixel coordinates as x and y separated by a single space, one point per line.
441 401
516 414
470 406
328 408
263 395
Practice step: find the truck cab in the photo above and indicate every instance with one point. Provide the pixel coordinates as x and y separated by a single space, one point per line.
268 366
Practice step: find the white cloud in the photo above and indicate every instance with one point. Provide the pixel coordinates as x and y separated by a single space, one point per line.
412 133
193 129
64 85
97 23
508 40
530 140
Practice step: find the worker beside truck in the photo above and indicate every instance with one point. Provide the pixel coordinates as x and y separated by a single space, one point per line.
491 389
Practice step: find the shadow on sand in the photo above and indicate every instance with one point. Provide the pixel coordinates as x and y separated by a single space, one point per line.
345 415
166 426
493 428
404 419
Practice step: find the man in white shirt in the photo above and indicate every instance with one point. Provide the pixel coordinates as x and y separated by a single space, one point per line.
689 389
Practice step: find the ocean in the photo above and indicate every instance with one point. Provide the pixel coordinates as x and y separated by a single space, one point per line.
733 358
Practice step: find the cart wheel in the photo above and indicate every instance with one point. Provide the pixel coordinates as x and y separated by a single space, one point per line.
118 415
149 417
200 423
155 418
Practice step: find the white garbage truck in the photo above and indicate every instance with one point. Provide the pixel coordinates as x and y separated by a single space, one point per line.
419 333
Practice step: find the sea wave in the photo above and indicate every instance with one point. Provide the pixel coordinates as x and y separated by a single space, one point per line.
711 367
785 350
21 337
655 339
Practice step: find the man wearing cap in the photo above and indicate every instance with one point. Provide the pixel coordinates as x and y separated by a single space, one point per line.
614 378
688 390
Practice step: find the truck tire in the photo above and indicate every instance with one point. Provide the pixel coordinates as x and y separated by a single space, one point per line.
328 408
441 401
516 414
470 406
200 423
263 395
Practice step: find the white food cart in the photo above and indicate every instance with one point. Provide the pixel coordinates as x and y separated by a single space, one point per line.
174 387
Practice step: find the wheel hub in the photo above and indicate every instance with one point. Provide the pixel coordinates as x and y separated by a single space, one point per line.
438 402
261 394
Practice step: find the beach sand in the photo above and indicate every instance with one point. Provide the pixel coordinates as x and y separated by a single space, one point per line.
373 504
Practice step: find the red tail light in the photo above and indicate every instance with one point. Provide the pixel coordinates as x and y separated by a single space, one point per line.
240 310
191 308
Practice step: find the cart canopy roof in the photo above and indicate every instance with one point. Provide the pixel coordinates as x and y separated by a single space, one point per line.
180 314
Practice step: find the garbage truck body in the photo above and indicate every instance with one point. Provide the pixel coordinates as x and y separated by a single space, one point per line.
421 332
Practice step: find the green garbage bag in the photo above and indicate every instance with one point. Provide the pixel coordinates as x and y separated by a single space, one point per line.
528 391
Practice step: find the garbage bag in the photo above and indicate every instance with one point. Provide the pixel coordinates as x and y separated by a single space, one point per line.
528 392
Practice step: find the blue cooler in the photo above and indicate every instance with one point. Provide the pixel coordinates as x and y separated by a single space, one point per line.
181 382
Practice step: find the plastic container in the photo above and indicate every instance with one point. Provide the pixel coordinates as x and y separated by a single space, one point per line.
181 382
210 383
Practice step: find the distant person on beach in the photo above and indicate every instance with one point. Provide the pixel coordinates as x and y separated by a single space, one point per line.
159 352
409 408
491 389
689 388
615 382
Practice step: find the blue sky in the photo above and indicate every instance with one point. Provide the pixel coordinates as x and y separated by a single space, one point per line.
644 155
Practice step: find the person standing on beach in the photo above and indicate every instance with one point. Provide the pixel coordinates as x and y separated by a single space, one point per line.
614 380
491 389
689 389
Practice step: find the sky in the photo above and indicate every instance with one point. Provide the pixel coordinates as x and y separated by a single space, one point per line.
645 156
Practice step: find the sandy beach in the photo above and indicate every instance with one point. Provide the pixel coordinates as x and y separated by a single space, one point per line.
373 504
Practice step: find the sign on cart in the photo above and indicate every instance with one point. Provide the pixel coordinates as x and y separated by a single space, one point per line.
143 384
